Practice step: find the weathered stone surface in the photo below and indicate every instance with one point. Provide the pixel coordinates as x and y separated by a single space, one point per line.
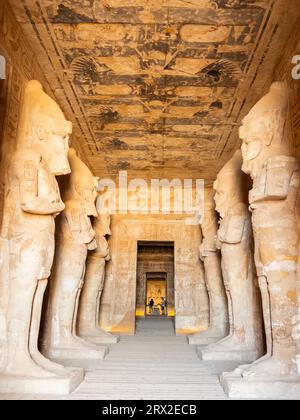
32 202
263 388
245 340
58 385
268 158
211 258
89 303
74 237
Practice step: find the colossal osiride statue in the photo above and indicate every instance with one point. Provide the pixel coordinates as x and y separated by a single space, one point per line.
32 202
268 157
244 341
74 238
210 256
89 306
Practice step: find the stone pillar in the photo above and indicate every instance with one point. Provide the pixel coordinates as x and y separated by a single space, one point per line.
89 306
210 256
244 342
268 158
32 202
75 237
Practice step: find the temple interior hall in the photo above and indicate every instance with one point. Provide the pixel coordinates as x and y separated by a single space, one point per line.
149 199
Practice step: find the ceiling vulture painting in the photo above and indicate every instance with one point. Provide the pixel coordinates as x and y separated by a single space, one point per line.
158 88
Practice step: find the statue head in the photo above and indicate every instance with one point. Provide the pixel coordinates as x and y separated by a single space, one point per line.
43 128
263 130
209 221
82 183
230 186
102 224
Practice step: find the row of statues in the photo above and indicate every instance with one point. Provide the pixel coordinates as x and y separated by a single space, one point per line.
40 251
251 257
258 239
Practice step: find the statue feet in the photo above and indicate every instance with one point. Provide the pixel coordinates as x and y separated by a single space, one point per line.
98 336
48 364
230 348
270 367
83 343
212 332
25 366
229 343
74 348
242 368
212 335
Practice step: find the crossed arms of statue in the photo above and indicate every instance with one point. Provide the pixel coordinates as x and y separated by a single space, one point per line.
280 170
79 224
30 177
233 226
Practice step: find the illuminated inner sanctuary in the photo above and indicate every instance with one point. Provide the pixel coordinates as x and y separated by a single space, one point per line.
149 199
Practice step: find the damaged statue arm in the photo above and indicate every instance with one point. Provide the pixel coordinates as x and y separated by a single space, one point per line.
31 202
280 170
233 229
79 224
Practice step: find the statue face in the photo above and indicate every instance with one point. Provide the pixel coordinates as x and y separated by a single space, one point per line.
221 197
89 197
255 135
54 142
83 183
96 182
104 215
262 130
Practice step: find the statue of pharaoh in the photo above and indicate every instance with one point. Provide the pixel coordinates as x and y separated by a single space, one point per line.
210 256
31 205
75 236
89 307
268 157
244 341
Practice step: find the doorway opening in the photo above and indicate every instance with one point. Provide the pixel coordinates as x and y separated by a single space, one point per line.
156 294
155 279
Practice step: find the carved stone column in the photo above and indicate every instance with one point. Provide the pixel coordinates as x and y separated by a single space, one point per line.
244 341
89 307
75 237
32 202
210 256
268 158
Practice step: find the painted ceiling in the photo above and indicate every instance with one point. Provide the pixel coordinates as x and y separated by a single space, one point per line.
155 87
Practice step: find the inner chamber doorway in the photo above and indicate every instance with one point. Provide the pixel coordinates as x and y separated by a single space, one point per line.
155 279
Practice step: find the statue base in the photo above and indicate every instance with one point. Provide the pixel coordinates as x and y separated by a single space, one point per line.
203 339
235 356
236 386
101 337
73 353
62 385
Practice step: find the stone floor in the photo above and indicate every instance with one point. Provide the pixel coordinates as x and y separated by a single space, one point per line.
154 364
